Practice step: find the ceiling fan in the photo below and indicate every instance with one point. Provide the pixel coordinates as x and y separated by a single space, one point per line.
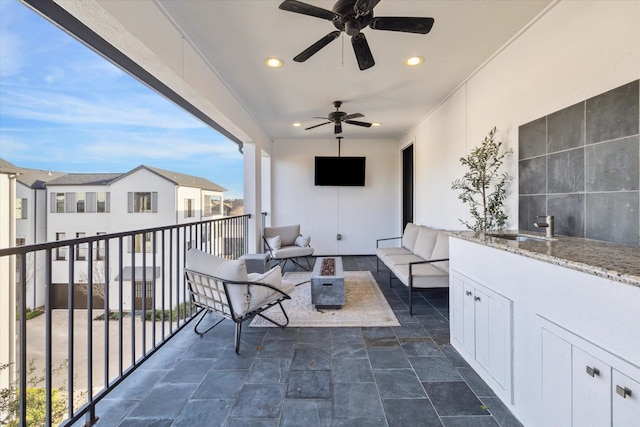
351 16
337 117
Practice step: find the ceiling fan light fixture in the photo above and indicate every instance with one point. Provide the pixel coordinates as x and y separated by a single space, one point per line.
376 124
413 61
297 124
273 62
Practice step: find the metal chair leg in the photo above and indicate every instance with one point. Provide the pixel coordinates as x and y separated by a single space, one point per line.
195 328
237 337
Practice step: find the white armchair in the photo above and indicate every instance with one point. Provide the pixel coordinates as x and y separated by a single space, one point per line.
224 286
285 243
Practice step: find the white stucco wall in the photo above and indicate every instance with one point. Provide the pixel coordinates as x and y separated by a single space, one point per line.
574 51
359 214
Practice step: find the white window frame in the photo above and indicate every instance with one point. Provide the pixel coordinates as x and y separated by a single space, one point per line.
61 251
142 202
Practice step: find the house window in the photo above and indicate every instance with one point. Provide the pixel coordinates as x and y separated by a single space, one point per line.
212 205
20 241
146 289
189 208
57 202
100 247
80 203
81 248
97 202
21 208
143 241
142 202
61 251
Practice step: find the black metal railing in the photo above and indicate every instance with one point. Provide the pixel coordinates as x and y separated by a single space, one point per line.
108 303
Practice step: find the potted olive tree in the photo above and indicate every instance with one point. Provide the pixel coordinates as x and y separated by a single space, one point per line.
483 186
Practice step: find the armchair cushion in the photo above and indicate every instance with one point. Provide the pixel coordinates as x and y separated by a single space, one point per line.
302 241
261 295
274 242
287 233
234 270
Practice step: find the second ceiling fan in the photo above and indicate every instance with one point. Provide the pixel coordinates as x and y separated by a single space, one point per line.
351 16
337 117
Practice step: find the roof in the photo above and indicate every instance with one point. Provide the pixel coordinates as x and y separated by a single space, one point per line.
6 167
85 179
180 179
37 178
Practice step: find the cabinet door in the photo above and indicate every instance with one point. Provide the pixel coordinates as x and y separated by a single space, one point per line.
468 320
457 308
493 334
591 390
556 381
626 400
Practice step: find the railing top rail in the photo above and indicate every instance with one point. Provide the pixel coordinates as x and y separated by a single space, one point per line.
19 250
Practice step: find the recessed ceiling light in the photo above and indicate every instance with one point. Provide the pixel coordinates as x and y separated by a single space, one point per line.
413 61
297 124
376 124
273 62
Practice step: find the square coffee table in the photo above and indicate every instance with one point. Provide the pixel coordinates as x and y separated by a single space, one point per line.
327 291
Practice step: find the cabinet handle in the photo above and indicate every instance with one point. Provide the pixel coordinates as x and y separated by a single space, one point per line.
594 372
468 293
476 298
623 391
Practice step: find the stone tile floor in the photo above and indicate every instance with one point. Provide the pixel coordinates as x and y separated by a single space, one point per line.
402 376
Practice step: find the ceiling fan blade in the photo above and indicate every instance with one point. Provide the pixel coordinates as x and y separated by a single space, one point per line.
315 126
314 48
362 51
338 128
352 116
307 9
323 118
403 24
363 124
365 6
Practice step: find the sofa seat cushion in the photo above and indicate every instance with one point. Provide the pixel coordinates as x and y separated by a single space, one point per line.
441 251
424 276
261 295
393 260
292 252
384 253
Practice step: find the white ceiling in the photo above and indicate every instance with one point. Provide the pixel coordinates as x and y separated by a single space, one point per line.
235 37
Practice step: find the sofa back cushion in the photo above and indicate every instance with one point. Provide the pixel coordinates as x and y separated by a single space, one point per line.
409 236
287 233
234 270
425 242
441 251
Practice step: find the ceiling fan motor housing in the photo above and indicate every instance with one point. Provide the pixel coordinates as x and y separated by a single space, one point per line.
349 20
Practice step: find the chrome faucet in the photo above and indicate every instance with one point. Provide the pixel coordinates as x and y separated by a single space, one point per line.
548 224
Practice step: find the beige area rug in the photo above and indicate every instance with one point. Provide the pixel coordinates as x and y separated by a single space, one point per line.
365 305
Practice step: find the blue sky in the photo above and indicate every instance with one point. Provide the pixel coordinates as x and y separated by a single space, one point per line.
65 108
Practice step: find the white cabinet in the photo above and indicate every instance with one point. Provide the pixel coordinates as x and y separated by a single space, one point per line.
582 385
481 325
626 400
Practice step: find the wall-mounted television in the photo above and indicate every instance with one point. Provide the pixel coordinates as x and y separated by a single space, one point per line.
341 171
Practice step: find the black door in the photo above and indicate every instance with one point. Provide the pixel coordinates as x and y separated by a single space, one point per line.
407 185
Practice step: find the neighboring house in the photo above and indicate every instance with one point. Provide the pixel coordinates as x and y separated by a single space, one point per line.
82 205
31 225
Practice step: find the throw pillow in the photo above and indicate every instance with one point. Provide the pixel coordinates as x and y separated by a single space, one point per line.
274 242
303 241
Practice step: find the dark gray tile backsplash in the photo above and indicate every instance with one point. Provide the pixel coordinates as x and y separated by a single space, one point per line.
582 165
565 129
613 114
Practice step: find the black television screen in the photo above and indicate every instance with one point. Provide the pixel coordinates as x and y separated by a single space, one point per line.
342 171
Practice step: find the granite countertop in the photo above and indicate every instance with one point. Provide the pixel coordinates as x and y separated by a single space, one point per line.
608 260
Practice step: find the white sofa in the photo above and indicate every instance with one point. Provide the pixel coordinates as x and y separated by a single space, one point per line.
419 259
